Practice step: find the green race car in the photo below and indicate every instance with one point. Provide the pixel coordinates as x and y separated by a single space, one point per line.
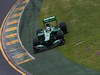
51 36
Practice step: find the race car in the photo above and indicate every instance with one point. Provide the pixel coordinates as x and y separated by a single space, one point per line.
51 36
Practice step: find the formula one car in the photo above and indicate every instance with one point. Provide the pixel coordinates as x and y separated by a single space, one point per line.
51 36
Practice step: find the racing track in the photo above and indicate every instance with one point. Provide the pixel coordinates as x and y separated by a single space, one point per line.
50 62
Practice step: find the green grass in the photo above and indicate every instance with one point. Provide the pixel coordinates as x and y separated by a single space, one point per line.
83 19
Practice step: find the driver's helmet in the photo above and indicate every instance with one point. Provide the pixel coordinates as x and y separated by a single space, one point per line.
47 25
48 28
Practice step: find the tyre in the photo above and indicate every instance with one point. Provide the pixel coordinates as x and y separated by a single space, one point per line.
40 37
63 27
60 35
35 42
38 31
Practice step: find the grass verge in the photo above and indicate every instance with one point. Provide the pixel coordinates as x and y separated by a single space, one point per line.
82 16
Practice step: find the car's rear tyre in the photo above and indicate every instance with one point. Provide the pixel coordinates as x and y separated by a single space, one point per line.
35 42
38 31
63 27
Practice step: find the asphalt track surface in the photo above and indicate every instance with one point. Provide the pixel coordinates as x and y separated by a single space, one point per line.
5 68
5 5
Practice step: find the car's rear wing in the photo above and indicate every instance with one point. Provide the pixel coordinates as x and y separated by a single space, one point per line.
49 19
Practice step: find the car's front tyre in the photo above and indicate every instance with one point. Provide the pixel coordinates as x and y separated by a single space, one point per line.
63 27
